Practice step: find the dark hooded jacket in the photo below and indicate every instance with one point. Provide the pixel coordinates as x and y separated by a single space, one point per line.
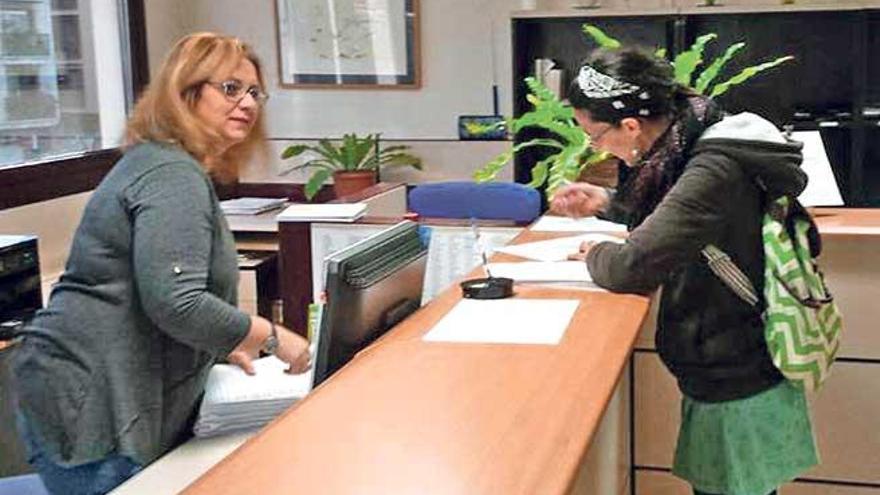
709 339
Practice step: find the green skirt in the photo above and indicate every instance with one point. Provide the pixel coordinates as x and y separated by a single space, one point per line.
749 446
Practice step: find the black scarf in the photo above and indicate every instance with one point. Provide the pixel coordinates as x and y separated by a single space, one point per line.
662 165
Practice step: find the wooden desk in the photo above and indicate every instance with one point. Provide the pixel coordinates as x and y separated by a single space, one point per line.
407 416
850 222
291 240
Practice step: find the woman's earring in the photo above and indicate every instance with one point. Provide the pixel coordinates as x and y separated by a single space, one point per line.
635 152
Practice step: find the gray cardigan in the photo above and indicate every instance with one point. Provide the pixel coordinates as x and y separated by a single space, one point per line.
117 361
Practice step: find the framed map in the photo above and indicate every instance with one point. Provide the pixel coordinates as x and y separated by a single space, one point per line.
349 43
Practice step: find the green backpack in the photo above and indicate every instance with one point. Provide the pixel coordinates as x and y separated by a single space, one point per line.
802 324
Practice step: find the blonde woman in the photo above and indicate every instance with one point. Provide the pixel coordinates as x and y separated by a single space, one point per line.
111 373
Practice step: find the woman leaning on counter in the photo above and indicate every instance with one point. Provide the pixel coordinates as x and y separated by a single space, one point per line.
696 180
111 373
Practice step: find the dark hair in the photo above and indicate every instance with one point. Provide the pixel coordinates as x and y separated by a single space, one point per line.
658 95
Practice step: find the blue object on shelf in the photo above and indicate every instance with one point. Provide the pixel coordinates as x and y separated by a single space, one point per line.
487 201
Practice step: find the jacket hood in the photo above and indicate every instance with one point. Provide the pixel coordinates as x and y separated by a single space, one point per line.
765 154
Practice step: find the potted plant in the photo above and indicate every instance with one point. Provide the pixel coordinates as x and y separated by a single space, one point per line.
353 163
569 147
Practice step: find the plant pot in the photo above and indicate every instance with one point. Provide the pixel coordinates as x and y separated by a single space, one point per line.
350 182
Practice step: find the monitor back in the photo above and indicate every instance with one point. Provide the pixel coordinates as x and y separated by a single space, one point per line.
370 287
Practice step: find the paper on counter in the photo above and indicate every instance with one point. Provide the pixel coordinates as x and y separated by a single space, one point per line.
555 249
505 321
552 223
542 271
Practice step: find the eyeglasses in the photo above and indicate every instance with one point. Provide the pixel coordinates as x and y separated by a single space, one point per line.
600 134
235 91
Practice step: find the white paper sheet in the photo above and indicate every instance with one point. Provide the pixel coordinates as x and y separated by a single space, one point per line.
822 189
556 249
228 383
505 321
552 223
542 271
452 253
323 212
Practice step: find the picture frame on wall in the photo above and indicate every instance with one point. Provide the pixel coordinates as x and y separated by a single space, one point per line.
349 43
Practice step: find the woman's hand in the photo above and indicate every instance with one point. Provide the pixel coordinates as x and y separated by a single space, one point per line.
583 250
581 199
292 348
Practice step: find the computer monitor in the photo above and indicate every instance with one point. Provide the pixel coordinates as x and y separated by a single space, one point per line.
370 286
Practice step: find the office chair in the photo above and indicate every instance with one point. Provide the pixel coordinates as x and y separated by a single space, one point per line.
25 484
490 201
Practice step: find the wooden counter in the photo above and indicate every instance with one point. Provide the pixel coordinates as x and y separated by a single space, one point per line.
857 222
408 416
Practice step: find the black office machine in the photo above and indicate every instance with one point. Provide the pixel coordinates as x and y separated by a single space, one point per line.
20 293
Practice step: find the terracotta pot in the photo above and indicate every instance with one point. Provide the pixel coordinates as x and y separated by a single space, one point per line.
349 182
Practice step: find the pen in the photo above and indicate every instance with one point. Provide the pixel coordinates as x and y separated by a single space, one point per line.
478 246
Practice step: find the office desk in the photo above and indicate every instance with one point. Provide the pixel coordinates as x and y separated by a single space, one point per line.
848 222
407 416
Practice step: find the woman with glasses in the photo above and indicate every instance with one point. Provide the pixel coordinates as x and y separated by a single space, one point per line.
110 374
697 177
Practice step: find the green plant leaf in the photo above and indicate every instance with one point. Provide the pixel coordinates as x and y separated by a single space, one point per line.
600 37
660 53
711 72
294 150
490 171
315 182
540 172
746 74
687 61
326 149
565 167
393 149
363 153
402 160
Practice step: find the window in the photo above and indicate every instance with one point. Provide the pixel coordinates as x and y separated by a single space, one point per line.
62 78
68 70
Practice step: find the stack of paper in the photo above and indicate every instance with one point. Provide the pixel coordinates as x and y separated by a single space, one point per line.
556 249
251 206
236 401
325 212
552 223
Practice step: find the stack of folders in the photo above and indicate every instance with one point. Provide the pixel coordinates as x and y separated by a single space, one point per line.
235 401
251 206
324 212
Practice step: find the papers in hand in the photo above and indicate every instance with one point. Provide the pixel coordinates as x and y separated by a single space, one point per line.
505 321
325 212
552 223
236 401
555 249
250 206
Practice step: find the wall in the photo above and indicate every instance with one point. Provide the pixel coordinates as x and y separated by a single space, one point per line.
54 223
458 42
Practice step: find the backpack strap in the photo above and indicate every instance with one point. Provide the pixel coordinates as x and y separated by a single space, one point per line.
734 278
